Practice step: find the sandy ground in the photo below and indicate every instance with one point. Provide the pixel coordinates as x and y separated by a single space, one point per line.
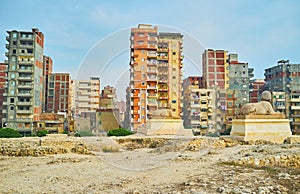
143 170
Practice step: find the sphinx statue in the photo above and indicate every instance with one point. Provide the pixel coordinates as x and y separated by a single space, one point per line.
164 114
264 107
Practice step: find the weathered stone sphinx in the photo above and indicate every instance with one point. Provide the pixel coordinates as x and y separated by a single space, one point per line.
259 121
164 122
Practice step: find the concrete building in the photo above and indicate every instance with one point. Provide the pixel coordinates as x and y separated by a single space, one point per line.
87 94
3 74
199 110
214 70
256 88
285 78
58 98
155 73
24 89
47 70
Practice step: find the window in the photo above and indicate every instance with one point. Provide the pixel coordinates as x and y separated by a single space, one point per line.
143 51
12 100
11 108
14 35
12 83
143 83
14 51
141 34
14 42
174 77
141 42
143 67
13 75
174 53
143 59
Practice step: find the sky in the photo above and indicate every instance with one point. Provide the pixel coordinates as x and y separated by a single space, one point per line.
91 38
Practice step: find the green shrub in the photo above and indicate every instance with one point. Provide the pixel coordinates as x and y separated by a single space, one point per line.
83 134
226 132
9 133
119 132
42 133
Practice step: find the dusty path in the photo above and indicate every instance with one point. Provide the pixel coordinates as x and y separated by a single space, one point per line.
140 171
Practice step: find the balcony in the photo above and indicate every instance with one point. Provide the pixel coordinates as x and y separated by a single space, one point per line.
26 45
25 78
163 80
280 107
163 97
135 95
151 78
5 94
152 46
27 54
295 100
163 89
151 87
5 103
27 38
7 38
26 62
7 46
153 71
152 55
135 112
26 70
163 49
21 120
181 57
151 103
162 57
162 73
295 116
135 103
24 103
295 107
24 94
151 95
152 62
4 111
24 111
6 54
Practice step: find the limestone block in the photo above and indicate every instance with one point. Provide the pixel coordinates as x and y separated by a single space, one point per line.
273 130
165 127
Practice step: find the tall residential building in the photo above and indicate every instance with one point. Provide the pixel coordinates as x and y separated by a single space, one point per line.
155 73
256 88
24 89
237 91
2 88
285 78
47 70
58 97
214 70
87 95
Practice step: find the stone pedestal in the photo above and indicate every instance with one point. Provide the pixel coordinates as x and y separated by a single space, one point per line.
273 128
165 127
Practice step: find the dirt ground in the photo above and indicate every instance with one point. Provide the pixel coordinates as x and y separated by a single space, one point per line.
147 170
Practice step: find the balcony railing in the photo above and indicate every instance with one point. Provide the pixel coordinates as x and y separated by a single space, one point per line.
25 111
29 78
24 103
151 87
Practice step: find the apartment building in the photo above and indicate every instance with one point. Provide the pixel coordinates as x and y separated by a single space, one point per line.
47 70
214 70
199 109
58 97
87 94
155 73
284 79
24 90
2 89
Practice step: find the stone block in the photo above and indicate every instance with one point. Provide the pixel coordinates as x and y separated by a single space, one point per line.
273 130
165 127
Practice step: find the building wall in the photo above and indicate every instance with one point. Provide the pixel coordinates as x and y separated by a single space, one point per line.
257 86
88 94
24 90
2 88
47 70
58 97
